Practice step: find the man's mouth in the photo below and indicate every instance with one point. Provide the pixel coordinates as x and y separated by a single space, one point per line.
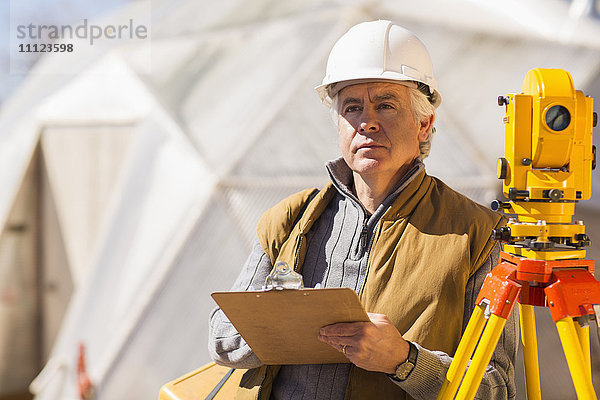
368 146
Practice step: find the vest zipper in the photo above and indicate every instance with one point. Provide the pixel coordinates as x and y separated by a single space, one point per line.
258 394
299 240
368 250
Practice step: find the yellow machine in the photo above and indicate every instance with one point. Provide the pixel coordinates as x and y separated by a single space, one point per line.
549 162
211 381
547 168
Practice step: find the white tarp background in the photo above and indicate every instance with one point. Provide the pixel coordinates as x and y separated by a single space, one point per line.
226 124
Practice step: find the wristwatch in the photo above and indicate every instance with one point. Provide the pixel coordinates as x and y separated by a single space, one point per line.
404 369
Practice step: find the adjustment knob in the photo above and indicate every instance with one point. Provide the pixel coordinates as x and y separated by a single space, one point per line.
502 234
584 240
497 205
502 168
555 194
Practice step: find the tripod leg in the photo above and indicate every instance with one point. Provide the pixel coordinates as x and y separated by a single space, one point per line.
482 357
575 358
583 333
530 352
463 354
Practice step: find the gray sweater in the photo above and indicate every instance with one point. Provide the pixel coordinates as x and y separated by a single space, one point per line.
336 256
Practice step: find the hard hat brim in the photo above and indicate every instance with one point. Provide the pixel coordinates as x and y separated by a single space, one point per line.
328 91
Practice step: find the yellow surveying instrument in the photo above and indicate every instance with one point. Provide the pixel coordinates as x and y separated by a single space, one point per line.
546 168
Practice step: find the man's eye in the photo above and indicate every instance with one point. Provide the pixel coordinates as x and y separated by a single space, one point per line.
386 106
352 109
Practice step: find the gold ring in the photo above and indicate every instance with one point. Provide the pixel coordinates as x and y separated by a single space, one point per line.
344 348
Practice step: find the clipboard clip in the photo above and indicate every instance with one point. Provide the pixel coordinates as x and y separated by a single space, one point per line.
282 276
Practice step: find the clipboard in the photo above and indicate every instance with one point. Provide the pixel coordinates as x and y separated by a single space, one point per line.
282 326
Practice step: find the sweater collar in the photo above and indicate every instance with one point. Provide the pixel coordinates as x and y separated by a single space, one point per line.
343 180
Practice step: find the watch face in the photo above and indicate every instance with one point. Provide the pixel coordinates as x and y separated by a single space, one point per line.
404 369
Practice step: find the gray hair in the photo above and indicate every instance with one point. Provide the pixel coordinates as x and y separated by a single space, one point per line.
422 110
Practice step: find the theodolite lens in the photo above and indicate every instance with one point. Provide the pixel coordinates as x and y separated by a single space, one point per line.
558 118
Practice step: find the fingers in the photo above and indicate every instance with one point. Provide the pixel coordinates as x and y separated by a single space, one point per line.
351 334
337 341
349 351
374 346
344 329
344 349
345 344
378 318
344 334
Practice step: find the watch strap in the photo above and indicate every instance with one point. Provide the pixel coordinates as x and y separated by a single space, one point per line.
410 362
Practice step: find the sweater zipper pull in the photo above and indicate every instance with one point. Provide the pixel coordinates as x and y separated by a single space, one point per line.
363 237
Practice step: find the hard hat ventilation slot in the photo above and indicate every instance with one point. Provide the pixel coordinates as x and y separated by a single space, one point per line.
386 47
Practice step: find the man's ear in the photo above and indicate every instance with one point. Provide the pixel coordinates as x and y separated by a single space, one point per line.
425 127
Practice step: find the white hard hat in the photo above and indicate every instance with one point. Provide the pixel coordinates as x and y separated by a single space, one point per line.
378 51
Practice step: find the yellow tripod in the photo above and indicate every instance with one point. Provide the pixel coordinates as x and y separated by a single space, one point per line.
547 169
571 290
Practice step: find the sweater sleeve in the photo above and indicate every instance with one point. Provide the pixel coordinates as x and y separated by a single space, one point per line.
426 380
225 345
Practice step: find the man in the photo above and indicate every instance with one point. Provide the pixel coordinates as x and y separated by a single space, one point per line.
414 250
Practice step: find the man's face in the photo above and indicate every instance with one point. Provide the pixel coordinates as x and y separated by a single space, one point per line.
378 134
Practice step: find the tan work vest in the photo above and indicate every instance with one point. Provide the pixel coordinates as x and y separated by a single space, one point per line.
424 249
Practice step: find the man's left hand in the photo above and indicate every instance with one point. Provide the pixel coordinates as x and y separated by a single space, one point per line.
374 346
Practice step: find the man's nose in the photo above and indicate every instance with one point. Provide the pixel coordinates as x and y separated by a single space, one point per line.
368 126
368 122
